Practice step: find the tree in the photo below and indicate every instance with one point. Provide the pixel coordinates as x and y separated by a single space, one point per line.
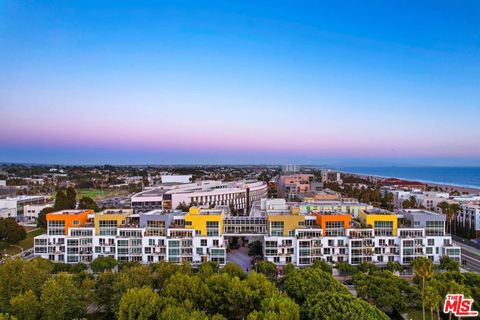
394 266
207 269
105 291
322 265
301 283
454 208
335 305
139 303
432 297
71 198
188 290
10 231
102 264
183 206
234 270
448 264
346 268
61 201
61 299
387 291
255 249
279 307
446 210
244 296
6 316
88 203
42 217
268 269
423 269
25 306
34 273
162 271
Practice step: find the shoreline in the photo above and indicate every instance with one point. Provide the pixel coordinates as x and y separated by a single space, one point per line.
445 185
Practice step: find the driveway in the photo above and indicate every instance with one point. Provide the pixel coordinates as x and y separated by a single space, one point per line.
240 256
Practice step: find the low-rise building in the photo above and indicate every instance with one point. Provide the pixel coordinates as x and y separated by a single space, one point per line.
290 233
18 203
31 211
469 216
239 195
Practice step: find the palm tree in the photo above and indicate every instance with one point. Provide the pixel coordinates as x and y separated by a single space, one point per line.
446 210
433 297
423 269
454 207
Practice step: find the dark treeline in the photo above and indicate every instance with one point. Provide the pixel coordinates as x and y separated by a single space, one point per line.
44 290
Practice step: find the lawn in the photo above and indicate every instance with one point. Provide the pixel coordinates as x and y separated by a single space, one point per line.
26 243
97 194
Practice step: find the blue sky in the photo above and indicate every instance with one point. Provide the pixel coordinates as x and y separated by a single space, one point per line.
372 82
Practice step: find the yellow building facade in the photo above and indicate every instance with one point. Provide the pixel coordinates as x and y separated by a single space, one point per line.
205 221
282 224
108 221
379 220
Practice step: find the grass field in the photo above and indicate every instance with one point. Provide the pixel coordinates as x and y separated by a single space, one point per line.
97 194
26 243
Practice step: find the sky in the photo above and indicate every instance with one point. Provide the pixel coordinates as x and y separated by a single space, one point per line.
240 82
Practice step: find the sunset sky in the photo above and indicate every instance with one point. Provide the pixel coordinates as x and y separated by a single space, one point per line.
154 82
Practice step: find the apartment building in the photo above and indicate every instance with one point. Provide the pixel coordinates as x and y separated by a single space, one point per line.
289 186
469 215
75 236
375 236
290 233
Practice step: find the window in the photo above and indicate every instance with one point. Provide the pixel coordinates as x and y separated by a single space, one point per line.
203 242
213 229
383 228
435 228
155 228
107 227
56 227
215 243
199 251
431 242
276 228
334 228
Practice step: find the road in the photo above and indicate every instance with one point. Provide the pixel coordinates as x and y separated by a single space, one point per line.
470 257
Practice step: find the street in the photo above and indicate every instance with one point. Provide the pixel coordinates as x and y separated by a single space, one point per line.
470 257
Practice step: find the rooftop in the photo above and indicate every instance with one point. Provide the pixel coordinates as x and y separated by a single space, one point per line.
70 212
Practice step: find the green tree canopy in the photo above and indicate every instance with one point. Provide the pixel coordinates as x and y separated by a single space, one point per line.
88 203
61 299
301 283
139 304
387 291
339 306
10 231
102 264
25 306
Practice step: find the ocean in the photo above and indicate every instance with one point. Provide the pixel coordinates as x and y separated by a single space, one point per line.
458 176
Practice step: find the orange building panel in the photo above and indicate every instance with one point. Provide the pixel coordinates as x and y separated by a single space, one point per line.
322 220
72 218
